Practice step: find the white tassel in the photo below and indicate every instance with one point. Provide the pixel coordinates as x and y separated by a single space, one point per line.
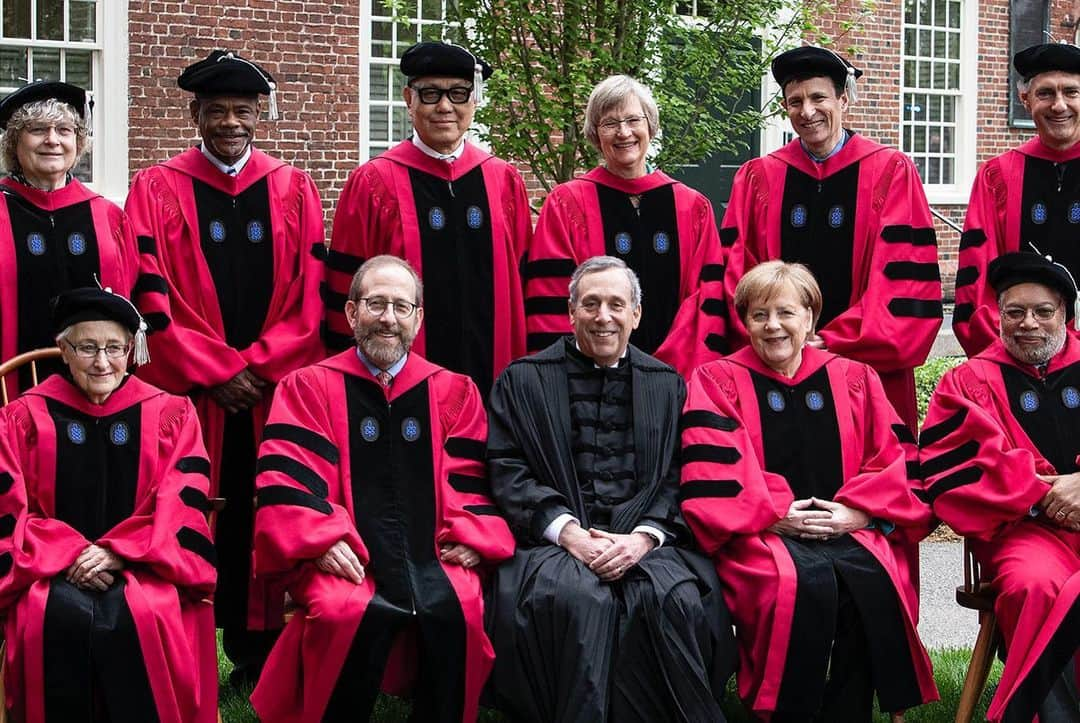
1076 314
142 351
273 113
478 83
849 85
88 114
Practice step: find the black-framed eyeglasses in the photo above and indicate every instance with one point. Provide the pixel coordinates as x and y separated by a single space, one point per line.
377 306
430 96
1042 312
87 350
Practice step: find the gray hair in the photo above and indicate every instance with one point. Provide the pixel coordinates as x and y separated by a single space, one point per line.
377 262
49 110
602 263
66 332
609 95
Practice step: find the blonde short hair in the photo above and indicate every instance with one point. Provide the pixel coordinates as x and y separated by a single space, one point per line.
765 281
608 95
49 110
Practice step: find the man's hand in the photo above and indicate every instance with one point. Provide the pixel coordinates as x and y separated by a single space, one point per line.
459 554
243 391
579 543
625 552
93 568
815 341
340 560
803 522
842 519
1062 503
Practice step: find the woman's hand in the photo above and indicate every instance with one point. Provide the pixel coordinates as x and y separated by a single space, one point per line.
842 519
94 568
803 522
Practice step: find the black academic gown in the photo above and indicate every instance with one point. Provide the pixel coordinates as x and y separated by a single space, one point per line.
653 646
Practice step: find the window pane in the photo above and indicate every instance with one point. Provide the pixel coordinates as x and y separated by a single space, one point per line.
940 8
935 109
924 74
78 67
909 73
46 64
402 128
934 170
924 43
50 19
949 112
947 145
432 32
954 14
934 145
379 78
939 43
380 40
954 46
82 25
408 8
908 130
380 123
954 77
947 173
909 11
920 166
378 7
17 18
939 76
909 41
398 79
920 140
924 12
13 67
431 10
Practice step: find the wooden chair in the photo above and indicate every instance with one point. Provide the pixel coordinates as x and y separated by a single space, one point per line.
977 594
17 362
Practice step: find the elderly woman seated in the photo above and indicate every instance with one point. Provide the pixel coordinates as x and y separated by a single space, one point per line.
110 552
795 482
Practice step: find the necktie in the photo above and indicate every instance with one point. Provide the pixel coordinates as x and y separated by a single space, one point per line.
230 171
385 378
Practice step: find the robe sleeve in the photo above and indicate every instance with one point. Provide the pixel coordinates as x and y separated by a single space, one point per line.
894 321
665 512
191 353
725 490
123 233
299 486
469 514
975 316
546 269
977 477
528 502
168 532
37 546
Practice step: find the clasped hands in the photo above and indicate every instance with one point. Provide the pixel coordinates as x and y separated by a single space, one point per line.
607 554
1062 503
817 519
243 391
94 569
340 559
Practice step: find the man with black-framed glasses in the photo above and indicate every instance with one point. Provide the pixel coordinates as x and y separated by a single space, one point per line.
459 215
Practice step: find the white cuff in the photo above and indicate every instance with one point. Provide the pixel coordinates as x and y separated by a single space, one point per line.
653 531
555 527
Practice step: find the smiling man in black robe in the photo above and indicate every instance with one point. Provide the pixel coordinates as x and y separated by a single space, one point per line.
604 613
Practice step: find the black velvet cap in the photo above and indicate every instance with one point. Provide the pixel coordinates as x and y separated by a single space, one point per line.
811 62
1021 267
90 303
73 95
1045 58
441 59
225 73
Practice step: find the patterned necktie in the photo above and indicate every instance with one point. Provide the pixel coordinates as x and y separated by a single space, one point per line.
385 378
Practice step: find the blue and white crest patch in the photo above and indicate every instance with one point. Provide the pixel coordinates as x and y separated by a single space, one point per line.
119 434
77 244
474 217
661 242
775 400
436 218
836 216
623 242
410 429
1029 401
1038 213
799 215
369 429
217 231
35 243
255 232
76 432
815 400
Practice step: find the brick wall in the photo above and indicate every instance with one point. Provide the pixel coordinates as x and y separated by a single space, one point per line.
311 49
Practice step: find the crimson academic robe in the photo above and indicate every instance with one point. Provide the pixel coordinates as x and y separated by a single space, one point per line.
993 425
669 240
231 272
52 242
394 473
861 223
130 475
732 435
1027 195
463 227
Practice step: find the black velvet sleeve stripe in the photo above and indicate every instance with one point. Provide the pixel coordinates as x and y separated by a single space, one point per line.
150 283
541 340
194 465
698 488
545 268
970 239
5 563
505 453
303 437
157 320
343 262
904 434
714 307
6 480
333 340
912 271
967 276
710 453
904 234
942 429
717 343
193 497
546 305
198 543
7 525
914 469
962 313
483 510
466 448
959 478
915 308
295 469
147 245
468 484
318 250
282 495
728 236
331 299
711 420
936 465
712 272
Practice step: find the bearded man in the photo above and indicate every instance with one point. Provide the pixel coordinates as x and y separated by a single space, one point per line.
374 509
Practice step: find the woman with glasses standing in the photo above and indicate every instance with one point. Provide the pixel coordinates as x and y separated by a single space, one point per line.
105 549
665 231
55 233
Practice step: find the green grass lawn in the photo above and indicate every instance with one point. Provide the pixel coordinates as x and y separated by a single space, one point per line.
950 665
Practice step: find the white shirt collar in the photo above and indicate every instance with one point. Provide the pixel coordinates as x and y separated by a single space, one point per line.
224 167
394 369
429 151
609 366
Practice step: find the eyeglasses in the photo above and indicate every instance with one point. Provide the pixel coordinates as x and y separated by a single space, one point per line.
376 306
42 130
86 350
612 125
430 96
1043 312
